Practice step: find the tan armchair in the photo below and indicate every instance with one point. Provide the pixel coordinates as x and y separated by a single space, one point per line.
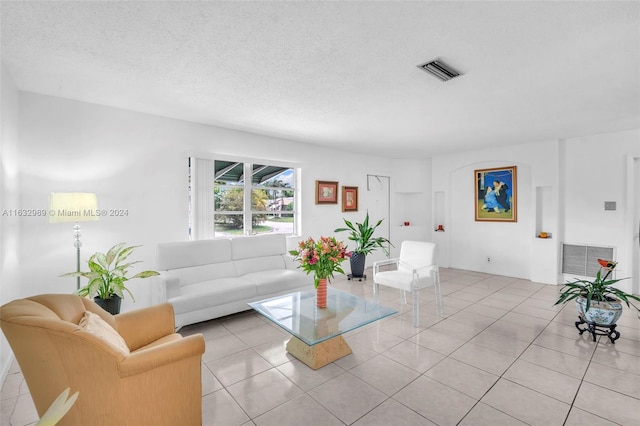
157 383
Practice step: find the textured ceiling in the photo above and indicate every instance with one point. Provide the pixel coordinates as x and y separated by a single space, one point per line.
342 73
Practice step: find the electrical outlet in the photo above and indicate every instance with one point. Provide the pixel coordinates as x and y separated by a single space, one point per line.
488 259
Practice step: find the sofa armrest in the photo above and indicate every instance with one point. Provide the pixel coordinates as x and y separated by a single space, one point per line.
143 326
289 262
166 353
169 286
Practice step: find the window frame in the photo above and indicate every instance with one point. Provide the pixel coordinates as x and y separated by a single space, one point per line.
247 211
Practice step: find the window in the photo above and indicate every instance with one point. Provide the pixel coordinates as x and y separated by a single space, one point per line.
228 195
225 204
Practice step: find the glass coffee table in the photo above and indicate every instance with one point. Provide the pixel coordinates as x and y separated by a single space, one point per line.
316 332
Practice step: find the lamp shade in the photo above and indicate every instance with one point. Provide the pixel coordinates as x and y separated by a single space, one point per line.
73 207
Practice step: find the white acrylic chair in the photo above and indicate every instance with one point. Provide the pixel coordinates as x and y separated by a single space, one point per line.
415 269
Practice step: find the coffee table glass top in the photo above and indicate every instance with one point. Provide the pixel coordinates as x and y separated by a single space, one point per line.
297 313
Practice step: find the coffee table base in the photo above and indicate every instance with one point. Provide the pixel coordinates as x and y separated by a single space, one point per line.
321 354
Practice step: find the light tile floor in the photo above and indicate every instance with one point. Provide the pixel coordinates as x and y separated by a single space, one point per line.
501 354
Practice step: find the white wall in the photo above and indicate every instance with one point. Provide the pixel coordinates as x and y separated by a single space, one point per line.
9 198
577 175
138 162
411 198
596 171
466 244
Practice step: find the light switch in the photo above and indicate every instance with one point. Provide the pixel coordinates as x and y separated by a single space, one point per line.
609 205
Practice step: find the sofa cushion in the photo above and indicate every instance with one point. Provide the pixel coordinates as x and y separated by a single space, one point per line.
258 246
92 323
257 264
210 272
279 280
193 253
212 293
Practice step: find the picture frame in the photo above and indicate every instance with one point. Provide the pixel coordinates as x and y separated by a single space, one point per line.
326 192
496 194
349 198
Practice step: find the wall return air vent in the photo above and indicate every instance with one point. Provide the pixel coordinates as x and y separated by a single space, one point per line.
439 69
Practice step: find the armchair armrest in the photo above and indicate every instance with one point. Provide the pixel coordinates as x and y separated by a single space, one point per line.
157 356
143 326
379 263
386 261
418 270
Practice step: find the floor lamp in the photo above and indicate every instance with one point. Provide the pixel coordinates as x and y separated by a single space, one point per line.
73 207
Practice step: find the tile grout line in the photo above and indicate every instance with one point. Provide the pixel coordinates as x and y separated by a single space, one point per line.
407 339
390 397
400 334
580 385
510 365
501 374
445 317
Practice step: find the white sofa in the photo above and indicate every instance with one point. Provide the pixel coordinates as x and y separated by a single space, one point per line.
208 279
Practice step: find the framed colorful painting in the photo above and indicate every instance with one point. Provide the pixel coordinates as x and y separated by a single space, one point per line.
349 198
496 195
326 192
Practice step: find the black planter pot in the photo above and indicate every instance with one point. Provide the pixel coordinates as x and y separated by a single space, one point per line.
357 264
111 305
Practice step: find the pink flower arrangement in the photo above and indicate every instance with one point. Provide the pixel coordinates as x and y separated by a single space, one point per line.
322 257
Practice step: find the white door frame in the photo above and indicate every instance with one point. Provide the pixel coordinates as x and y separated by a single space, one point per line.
631 225
387 222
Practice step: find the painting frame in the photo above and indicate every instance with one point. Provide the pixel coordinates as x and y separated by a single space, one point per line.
349 198
326 192
496 205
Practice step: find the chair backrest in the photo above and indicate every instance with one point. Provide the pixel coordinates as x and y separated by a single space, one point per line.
417 254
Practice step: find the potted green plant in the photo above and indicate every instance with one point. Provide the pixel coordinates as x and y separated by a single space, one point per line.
362 235
598 302
107 276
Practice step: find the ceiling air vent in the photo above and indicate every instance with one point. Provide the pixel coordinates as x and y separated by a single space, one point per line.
440 70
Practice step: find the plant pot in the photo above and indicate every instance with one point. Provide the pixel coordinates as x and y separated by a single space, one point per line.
600 313
357 262
111 305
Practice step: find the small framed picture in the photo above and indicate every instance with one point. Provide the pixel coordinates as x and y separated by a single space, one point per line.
349 198
326 192
496 195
